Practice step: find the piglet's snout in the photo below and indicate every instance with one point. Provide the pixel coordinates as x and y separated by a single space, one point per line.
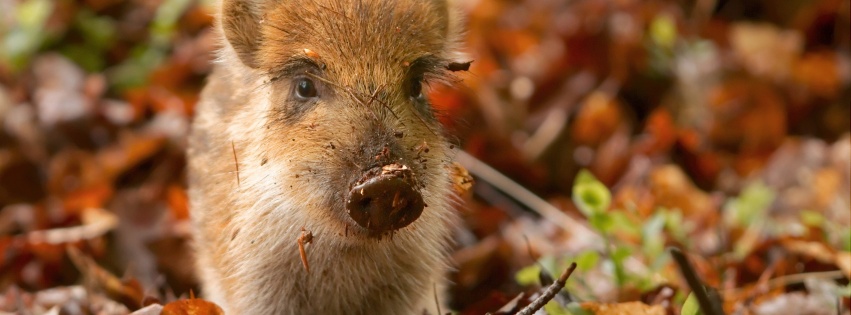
386 199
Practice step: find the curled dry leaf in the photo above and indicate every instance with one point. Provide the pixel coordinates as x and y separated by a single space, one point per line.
821 252
461 179
672 188
96 222
192 307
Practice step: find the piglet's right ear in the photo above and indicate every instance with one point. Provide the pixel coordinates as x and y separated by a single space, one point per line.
241 25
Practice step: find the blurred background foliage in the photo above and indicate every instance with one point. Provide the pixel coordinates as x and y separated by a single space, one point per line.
717 126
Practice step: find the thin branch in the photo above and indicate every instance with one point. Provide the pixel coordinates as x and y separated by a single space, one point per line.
236 163
708 305
305 238
797 278
545 209
436 299
549 293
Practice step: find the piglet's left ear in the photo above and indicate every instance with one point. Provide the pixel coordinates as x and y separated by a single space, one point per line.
241 26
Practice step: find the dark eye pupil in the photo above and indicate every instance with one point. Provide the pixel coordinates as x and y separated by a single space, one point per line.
305 88
417 88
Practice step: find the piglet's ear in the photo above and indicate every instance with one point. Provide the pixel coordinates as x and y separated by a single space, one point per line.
241 25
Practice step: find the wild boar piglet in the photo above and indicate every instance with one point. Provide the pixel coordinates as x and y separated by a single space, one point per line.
315 120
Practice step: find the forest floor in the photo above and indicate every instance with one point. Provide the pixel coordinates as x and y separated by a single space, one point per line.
609 133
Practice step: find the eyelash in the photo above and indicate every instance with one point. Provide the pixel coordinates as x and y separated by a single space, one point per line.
416 87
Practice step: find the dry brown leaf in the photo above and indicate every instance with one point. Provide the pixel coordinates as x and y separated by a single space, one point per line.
96 222
746 116
661 133
819 72
461 179
128 292
627 308
192 307
672 188
178 201
132 149
765 50
598 118
843 260
816 250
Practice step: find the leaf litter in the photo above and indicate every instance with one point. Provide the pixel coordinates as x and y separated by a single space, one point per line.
598 132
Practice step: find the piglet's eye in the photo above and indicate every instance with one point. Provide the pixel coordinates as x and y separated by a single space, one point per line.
304 88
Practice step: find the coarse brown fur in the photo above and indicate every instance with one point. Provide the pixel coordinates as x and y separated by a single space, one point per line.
263 164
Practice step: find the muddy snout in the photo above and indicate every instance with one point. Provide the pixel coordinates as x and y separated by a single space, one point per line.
385 199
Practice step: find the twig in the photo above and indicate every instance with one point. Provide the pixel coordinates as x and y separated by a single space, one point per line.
436 300
708 305
526 197
236 163
529 249
549 293
305 238
783 281
96 222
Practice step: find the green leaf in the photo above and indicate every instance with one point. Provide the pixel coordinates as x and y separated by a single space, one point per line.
619 255
89 59
134 71
652 239
590 195
602 222
845 291
33 13
26 34
663 31
812 218
553 308
528 275
98 31
587 260
674 224
751 205
690 307
575 309
623 224
165 20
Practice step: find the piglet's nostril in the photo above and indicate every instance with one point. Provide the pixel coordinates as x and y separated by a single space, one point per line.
385 199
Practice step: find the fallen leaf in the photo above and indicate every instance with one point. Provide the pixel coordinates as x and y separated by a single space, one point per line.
192 307
129 292
462 182
627 308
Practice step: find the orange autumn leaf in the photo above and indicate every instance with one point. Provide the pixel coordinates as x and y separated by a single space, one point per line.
192 307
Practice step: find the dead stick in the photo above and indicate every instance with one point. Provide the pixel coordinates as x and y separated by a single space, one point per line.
491 176
236 163
708 304
549 293
305 238
436 299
